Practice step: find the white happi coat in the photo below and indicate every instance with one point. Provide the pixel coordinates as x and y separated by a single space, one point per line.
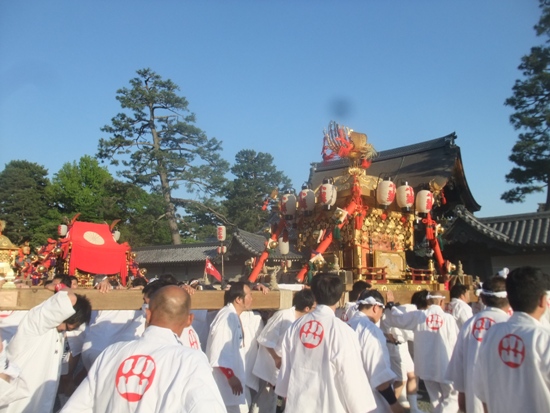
461 367
113 326
110 326
155 373
460 310
272 337
376 359
321 368
253 325
512 373
435 334
37 348
225 348
9 320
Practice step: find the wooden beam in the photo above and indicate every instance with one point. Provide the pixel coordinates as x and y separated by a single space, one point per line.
25 299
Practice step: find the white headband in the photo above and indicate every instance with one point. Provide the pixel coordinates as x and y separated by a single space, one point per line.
434 296
499 294
370 301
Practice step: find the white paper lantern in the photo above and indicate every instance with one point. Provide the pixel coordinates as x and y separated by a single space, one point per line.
405 196
424 201
327 194
62 230
385 193
284 246
288 205
221 233
306 200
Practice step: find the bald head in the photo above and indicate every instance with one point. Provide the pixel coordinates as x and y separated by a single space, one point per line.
170 308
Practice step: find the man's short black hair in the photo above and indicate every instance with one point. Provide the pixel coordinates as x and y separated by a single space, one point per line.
139 281
327 288
494 284
302 299
457 290
154 286
83 313
525 287
236 290
420 299
370 293
358 288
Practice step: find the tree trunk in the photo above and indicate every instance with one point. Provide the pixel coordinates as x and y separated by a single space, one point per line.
164 184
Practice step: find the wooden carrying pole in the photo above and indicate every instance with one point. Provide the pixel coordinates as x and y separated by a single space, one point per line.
27 298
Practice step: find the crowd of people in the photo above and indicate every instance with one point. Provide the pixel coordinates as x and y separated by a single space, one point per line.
317 356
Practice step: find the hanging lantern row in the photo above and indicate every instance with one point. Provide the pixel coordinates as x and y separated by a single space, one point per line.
386 193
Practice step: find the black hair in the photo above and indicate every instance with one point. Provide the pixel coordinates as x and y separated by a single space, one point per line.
302 299
420 299
65 279
168 278
495 284
154 286
327 288
370 293
525 286
358 288
236 290
457 290
137 281
83 311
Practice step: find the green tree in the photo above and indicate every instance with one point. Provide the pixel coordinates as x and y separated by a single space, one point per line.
142 218
160 147
88 189
82 188
255 178
531 102
24 203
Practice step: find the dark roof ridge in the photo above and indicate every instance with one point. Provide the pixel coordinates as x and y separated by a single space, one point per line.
515 217
172 246
447 140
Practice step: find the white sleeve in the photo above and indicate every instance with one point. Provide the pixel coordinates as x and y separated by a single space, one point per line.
455 369
408 321
284 372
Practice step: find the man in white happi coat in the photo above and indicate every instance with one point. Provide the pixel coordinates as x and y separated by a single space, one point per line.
435 334
226 350
512 373
349 309
470 337
397 343
37 347
321 368
268 360
376 359
113 326
459 307
154 373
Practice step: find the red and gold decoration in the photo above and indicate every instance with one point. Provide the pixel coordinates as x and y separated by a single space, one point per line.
357 222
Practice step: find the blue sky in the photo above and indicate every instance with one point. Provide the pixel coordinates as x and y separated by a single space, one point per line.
270 75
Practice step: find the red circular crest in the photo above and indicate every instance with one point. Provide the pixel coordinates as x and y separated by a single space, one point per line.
134 377
193 340
311 334
511 350
434 322
481 326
